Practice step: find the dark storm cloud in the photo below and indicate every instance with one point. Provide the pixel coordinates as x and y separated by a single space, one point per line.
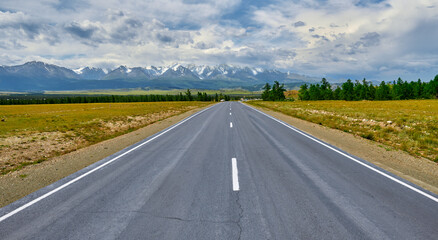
320 37
127 30
77 30
370 39
173 38
12 44
31 29
133 23
299 24
366 3
164 38
72 5
203 45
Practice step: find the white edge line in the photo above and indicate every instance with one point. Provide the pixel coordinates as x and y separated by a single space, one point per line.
235 175
352 158
19 209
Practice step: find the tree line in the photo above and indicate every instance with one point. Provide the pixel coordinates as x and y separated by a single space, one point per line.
48 99
274 93
364 90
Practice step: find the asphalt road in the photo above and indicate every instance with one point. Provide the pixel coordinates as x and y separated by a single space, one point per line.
229 172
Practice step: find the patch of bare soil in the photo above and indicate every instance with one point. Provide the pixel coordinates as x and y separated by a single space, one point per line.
18 184
134 121
417 170
35 147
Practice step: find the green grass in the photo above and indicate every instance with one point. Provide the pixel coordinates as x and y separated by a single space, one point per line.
409 125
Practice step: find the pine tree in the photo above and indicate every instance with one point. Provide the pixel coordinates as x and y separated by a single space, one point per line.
189 95
337 93
383 92
326 90
266 95
347 92
303 93
277 91
315 92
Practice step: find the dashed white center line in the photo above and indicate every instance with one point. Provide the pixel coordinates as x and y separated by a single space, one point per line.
230 114
231 124
235 175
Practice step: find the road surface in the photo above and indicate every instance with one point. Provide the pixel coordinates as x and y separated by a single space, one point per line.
228 172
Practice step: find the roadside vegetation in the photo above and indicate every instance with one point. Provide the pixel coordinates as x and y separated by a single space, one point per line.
30 134
363 90
289 94
408 125
274 93
62 99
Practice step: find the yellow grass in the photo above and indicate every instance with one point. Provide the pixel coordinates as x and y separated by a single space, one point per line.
291 94
409 125
30 134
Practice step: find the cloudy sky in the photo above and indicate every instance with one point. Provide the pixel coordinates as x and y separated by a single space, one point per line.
338 39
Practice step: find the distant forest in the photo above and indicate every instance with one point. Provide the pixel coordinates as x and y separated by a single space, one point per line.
56 99
363 90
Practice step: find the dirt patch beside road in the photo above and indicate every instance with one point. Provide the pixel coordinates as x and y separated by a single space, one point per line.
18 184
417 170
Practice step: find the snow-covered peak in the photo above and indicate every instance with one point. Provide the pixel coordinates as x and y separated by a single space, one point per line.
175 67
124 69
162 70
153 71
198 69
79 70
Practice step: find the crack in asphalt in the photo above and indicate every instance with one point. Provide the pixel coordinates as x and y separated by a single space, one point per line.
169 217
240 214
190 220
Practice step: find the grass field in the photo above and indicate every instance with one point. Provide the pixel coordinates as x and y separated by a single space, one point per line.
30 134
150 92
409 125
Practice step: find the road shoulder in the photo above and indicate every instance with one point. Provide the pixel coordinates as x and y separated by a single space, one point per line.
419 171
16 185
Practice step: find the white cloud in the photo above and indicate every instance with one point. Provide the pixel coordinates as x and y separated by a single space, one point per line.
339 38
345 38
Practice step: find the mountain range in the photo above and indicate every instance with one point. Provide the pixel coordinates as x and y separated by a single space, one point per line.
39 76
